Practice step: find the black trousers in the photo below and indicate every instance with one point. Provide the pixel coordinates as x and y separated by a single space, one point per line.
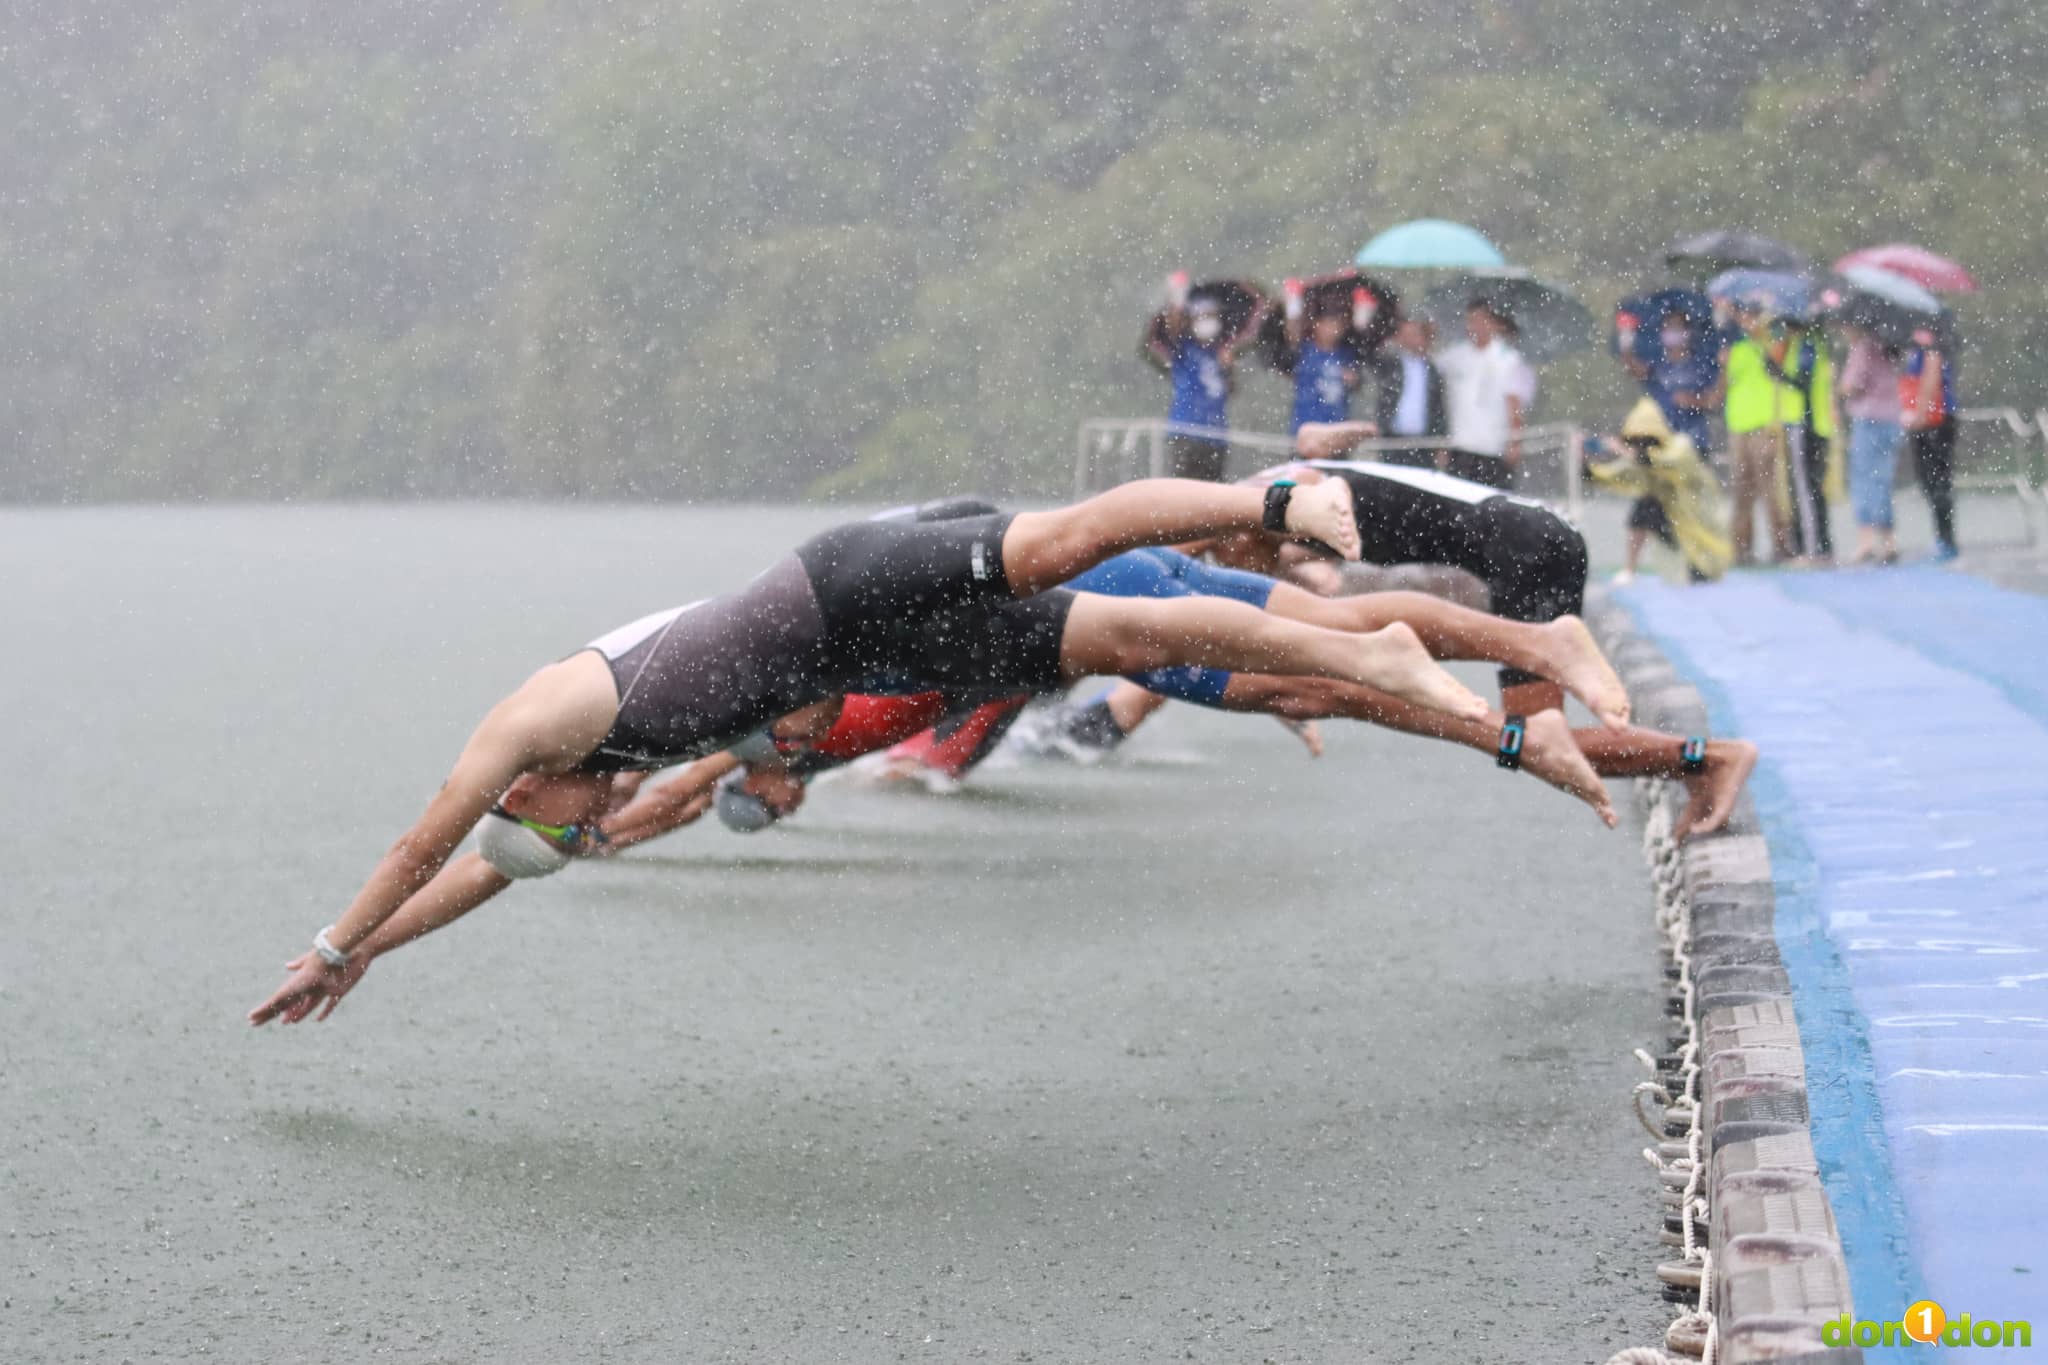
1934 461
1809 493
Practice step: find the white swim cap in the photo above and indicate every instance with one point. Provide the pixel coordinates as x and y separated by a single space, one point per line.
739 810
517 851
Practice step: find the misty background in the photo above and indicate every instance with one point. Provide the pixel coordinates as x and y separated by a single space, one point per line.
273 249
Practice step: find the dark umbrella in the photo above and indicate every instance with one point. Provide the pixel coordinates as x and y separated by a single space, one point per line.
1552 323
1240 303
1888 306
1710 253
1642 314
1372 306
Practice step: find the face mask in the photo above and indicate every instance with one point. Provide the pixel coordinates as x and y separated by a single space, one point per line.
1207 328
1674 337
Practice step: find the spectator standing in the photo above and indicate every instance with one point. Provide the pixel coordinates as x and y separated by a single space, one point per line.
1927 395
1869 389
1409 391
1680 379
1200 361
1481 375
1326 372
1676 498
1799 361
1751 405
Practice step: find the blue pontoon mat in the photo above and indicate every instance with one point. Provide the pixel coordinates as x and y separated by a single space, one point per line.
1903 717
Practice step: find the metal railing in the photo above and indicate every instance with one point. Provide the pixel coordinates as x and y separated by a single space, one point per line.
1114 450
2001 449
1998 450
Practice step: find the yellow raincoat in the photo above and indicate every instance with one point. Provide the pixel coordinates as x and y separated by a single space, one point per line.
1681 483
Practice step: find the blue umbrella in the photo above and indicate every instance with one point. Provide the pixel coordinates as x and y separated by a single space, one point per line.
1777 292
1431 244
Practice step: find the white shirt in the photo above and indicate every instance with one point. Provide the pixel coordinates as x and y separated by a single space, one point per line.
1477 383
1411 413
1523 384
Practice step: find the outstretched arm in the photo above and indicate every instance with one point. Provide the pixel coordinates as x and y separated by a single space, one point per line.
457 889
681 800
1042 550
558 716
670 806
487 768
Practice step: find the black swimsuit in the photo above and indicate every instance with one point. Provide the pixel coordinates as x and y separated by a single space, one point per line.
1533 560
872 607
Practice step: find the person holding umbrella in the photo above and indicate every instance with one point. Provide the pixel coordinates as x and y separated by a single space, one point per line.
1754 407
1869 392
1326 367
1928 396
1194 352
1678 377
1806 369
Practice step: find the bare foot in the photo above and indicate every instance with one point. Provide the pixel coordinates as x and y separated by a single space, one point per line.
1710 796
1549 752
1326 440
1585 672
893 769
1307 731
1393 660
1323 511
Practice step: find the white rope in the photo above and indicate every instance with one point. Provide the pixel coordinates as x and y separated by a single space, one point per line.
1674 922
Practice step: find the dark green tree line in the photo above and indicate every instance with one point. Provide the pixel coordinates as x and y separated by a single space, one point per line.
630 250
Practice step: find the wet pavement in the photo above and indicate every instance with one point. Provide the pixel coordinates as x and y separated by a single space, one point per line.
1210 1053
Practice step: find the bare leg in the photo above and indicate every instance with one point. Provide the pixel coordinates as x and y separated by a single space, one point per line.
1549 750
1131 705
1710 794
1636 752
1044 549
1562 649
1131 635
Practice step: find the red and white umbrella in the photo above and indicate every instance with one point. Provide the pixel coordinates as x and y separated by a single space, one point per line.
1917 264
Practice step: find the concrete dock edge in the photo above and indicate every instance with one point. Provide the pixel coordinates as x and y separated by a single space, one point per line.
1759 1262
